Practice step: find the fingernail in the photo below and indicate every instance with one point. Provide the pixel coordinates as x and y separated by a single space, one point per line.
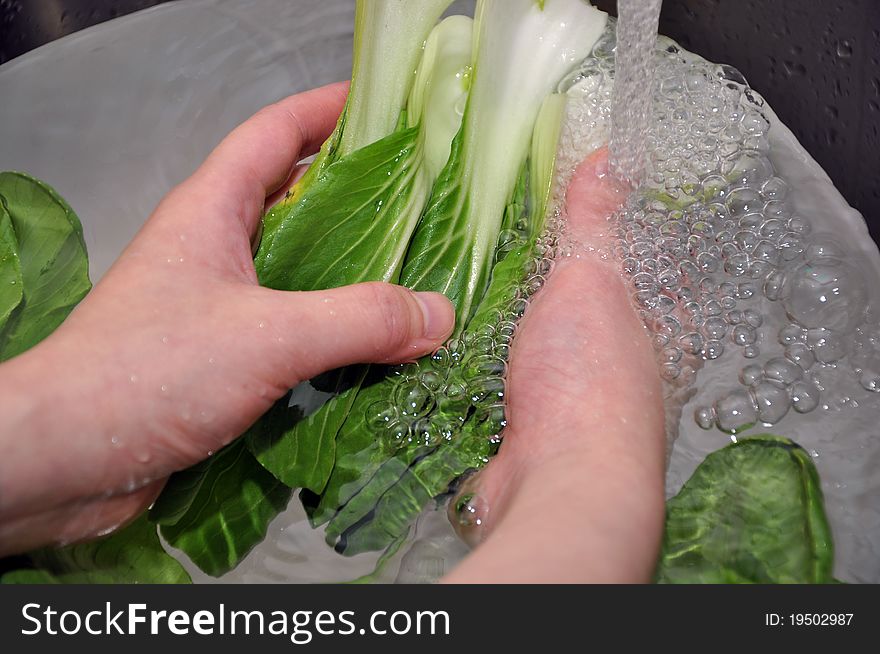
439 317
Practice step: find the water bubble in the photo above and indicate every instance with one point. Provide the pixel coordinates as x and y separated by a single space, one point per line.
792 334
692 343
870 381
381 414
705 417
750 375
425 432
713 350
774 188
670 371
715 328
491 420
826 293
468 514
744 335
431 380
486 391
415 401
774 285
783 371
804 397
753 318
773 401
735 412
800 354
396 434
825 246
827 346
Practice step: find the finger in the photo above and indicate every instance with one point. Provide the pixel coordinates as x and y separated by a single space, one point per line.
259 156
578 356
592 199
365 323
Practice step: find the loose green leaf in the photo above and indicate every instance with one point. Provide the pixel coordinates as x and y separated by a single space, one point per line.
10 267
751 513
230 512
53 260
132 555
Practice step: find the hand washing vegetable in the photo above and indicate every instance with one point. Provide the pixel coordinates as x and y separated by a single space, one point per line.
438 176
413 187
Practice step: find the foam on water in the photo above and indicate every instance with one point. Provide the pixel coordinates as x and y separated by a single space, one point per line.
773 320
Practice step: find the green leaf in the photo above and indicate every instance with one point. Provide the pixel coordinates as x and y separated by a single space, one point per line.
10 267
297 443
179 493
428 477
383 561
441 257
52 254
751 513
229 513
132 555
359 452
353 223
366 471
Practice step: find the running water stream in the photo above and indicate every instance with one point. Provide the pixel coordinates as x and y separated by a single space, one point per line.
637 25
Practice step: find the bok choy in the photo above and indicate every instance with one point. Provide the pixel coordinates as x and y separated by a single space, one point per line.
412 187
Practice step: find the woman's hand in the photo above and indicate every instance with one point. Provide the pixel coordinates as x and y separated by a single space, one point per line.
576 491
177 350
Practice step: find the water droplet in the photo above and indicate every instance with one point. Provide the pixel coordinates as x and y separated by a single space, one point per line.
804 397
735 412
773 402
705 417
783 371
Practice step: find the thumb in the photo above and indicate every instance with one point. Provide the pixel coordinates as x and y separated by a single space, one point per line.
374 322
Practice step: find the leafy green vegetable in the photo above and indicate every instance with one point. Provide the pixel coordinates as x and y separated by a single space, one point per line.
228 513
393 491
51 262
297 445
451 252
388 42
350 220
751 513
132 555
10 267
522 51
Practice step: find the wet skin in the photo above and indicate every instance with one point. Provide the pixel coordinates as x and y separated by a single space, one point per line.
89 434
576 491
178 350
